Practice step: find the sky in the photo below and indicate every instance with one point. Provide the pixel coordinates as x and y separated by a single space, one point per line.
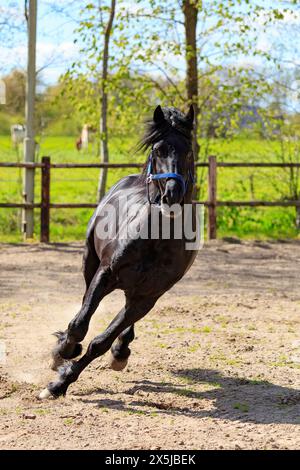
55 47
56 50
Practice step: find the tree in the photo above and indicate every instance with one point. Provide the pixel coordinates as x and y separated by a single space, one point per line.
94 34
212 36
190 12
15 91
104 97
102 83
176 54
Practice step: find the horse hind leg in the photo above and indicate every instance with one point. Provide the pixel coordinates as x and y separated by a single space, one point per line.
68 345
120 351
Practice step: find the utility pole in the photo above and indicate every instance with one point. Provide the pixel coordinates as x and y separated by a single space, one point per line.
29 141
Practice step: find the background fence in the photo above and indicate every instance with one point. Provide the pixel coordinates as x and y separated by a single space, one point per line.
211 203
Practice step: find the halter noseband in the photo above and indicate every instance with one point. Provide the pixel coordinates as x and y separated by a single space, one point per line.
160 176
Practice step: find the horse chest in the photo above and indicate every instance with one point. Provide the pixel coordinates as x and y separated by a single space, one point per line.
155 269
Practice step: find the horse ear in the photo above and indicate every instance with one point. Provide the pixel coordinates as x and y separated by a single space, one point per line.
158 115
190 114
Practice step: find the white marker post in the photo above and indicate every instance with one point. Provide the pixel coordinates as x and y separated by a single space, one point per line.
29 141
2 92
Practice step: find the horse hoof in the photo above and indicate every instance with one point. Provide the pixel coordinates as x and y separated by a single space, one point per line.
114 364
45 395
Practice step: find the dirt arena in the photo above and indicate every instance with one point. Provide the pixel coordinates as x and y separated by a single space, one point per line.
216 364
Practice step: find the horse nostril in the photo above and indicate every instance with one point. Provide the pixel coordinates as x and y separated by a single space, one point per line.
167 197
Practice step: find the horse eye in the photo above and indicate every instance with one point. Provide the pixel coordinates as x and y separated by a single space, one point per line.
159 152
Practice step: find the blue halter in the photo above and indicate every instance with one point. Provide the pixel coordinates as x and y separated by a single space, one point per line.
160 176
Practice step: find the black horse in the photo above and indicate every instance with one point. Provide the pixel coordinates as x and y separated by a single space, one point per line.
143 267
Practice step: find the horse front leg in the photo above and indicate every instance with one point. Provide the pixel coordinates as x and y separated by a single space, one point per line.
134 310
68 345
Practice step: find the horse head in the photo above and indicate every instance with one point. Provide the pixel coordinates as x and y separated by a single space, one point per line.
170 164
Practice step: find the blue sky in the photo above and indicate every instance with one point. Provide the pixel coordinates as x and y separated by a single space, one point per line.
55 47
56 50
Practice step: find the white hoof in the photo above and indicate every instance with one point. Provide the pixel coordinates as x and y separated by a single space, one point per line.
45 394
114 364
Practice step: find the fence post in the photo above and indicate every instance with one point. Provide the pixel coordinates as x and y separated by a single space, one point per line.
212 197
45 200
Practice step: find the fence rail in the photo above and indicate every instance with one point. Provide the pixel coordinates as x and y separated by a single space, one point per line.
212 203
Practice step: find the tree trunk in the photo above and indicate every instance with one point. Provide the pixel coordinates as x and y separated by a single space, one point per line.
190 12
104 154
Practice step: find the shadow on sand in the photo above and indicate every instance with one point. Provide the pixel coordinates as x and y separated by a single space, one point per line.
229 398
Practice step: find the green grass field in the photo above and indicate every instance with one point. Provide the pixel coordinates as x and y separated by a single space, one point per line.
80 185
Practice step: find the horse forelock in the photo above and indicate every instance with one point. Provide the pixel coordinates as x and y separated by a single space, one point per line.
178 121
174 120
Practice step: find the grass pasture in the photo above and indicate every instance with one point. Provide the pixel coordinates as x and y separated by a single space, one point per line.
80 185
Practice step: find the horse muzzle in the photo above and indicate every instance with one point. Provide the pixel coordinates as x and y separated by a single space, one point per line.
174 193
172 199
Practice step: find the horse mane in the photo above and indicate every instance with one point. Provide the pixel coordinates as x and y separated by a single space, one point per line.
174 121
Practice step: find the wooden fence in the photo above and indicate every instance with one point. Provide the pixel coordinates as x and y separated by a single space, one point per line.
212 203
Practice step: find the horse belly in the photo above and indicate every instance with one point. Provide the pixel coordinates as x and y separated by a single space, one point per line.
154 274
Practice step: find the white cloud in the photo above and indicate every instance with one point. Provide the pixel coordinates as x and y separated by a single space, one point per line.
264 44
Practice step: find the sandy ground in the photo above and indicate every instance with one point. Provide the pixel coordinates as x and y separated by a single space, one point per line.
216 364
